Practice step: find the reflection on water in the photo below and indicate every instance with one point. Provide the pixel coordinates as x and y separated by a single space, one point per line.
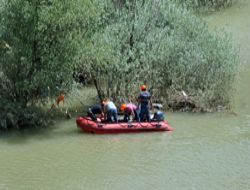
206 151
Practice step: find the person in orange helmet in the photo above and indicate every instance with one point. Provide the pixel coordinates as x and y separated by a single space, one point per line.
129 110
144 100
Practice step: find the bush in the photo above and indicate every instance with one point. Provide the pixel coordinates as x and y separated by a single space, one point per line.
169 49
38 46
14 116
205 5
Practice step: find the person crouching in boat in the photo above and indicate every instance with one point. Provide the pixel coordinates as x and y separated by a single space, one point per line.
144 99
158 114
129 110
94 111
110 111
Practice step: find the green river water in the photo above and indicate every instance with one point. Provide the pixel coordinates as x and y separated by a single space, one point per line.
206 151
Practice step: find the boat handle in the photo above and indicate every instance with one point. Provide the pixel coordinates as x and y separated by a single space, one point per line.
100 125
130 125
158 125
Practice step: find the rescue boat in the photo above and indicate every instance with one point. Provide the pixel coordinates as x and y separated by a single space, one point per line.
88 125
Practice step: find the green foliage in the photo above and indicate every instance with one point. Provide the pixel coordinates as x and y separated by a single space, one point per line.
40 44
120 44
13 115
167 48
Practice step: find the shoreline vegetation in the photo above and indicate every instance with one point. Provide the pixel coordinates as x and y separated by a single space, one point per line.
115 46
205 6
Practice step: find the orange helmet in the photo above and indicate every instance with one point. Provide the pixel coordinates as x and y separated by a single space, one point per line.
143 87
123 107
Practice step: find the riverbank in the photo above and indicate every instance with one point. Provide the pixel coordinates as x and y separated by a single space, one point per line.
75 103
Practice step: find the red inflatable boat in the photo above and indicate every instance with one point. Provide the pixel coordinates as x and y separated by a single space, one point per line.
88 125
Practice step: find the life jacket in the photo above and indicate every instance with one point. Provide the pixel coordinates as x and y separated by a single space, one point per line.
130 108
144 97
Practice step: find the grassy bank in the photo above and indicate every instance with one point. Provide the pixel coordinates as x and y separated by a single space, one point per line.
202 6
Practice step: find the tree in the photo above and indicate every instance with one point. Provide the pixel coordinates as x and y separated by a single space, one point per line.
39 47
166 47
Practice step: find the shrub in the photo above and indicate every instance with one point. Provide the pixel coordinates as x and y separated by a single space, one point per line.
14 116
205 5
39 48
169 49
